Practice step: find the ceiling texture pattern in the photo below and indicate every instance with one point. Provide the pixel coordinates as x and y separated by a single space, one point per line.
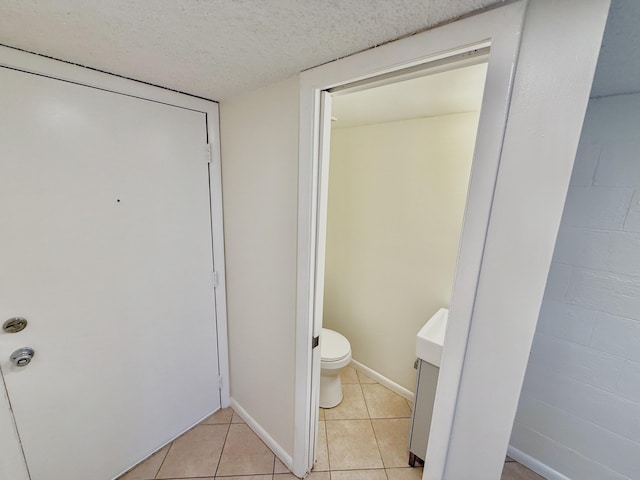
215 48
219 48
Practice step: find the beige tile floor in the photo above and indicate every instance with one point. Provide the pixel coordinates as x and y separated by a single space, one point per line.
363 438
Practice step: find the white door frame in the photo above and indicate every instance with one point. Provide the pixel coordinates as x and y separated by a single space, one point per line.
40 65
500 30
510 221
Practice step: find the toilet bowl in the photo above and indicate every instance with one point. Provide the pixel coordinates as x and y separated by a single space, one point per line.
335 353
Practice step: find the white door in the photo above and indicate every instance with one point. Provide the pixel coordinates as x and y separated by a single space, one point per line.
106 250
321 247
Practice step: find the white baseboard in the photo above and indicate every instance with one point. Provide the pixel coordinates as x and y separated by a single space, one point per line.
536 465
264 436
382 380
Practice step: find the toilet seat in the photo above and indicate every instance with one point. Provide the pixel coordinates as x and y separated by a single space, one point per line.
335 349
333 346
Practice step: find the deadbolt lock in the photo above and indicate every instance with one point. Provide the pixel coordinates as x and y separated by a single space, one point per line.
15 325
22 357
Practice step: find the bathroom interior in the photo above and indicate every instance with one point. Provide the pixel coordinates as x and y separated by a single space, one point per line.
399 169
392 238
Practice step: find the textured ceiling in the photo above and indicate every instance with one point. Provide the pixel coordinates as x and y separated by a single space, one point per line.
214 48
218 48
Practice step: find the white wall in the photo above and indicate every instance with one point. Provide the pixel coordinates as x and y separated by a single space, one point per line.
259 141
579 412
397 193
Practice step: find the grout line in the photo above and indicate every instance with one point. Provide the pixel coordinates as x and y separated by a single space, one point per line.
365 402
163 460
374 430
326 421
236 476
365 418
209 477
326 439
377 444
224 444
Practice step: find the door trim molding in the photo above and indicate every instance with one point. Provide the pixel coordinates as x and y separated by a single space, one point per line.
501 30
500 280
33 63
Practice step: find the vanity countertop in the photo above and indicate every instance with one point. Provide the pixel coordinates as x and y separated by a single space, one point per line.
430 338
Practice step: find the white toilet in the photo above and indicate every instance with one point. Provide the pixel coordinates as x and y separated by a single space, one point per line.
335 353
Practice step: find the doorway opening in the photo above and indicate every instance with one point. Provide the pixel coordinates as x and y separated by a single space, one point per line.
393 191
492 38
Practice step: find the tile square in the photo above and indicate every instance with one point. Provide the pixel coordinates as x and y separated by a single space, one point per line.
280 467
410 405
195 454
149 468
383 403
237 418
244 453
404 473
321 416
393 440
377 474
348 375
352 445
363 378
322 454
319 476
352 406
248 477
220 417
312 476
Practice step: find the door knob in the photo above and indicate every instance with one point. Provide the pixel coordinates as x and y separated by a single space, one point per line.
22 357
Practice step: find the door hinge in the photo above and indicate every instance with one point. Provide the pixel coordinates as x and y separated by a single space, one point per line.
220 382
208 152
215 279
315 341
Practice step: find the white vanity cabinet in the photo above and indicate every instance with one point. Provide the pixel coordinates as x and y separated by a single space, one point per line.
425 396
429 342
